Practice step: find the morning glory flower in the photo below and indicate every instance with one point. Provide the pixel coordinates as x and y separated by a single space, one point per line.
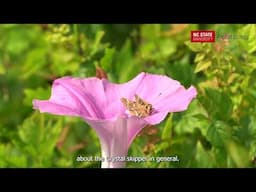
117 112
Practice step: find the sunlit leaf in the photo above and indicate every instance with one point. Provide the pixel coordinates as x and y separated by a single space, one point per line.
197 47
203 65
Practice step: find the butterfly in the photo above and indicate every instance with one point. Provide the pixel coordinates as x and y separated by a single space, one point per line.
139 107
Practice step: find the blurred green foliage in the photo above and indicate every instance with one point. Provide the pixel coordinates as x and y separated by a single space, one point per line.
217 130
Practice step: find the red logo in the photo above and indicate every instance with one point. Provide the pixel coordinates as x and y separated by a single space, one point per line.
203 36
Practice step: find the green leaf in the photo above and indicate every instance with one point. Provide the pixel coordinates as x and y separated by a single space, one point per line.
199 57
239 154
184 147
214 136
125 65
181 71
249 32
150 32
35 62
203 65
167 47
194 117
16 41
245 133
167 131
196 47
98 38
64 62
38 93
2 69
11 157
106 61
37 139
204 158
218 133
218 104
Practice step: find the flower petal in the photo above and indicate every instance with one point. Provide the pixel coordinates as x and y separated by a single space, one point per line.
177 101
155 87
69 98
88 94
50 107
91 97
156 118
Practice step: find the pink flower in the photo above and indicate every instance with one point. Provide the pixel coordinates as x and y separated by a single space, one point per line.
102 105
